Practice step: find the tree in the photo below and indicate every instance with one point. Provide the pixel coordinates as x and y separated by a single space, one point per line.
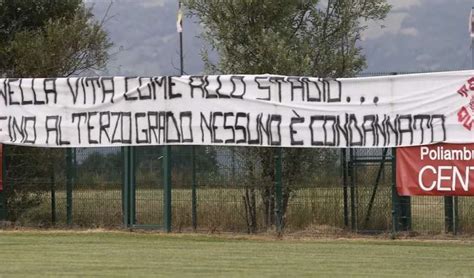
50 38
44 38
305 37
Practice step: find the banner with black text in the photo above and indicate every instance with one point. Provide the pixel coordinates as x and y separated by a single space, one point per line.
246 110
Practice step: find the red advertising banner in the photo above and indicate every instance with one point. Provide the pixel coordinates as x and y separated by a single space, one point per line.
1 167
439 170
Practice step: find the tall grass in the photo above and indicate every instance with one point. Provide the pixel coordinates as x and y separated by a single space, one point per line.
222 209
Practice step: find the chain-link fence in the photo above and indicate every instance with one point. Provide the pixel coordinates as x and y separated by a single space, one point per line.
217 189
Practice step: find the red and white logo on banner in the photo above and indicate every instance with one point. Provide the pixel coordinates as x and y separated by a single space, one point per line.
466 112
441 169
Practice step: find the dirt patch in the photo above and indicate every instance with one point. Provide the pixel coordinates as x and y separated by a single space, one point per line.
313 233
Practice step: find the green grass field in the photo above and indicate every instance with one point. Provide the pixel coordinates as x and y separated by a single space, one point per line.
68 253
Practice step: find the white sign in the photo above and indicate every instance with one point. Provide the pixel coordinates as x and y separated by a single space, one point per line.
245 110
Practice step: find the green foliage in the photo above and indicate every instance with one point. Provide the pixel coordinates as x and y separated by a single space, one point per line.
49 38
305 37
99 169
29 176
44 38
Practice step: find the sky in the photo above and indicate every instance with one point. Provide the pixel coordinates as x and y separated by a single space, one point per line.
416 36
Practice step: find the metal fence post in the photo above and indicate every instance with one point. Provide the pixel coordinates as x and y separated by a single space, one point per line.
395 199
132 186
455 215
74 165
278 191
53 197
167 188
128 186
194 185
344 186
3 201
125 186
352 189
69 181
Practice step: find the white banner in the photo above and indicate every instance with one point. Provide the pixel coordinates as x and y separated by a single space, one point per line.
256 110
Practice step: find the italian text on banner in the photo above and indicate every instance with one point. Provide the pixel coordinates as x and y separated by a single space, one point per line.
239 110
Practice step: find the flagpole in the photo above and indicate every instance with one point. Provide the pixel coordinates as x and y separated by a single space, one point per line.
181 59
193 148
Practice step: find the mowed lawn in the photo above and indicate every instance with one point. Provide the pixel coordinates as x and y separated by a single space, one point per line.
46 253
